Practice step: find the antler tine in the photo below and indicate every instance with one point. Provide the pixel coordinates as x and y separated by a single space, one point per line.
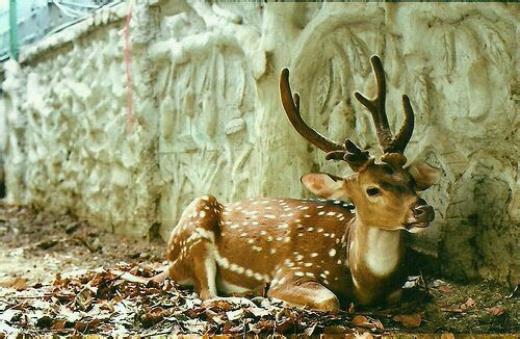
292 108
376 106
405 133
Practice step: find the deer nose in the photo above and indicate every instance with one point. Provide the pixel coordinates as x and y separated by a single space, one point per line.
423 212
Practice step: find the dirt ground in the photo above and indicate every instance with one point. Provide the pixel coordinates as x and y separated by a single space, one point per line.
62 276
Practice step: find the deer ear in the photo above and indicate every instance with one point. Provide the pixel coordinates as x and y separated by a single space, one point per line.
324 185
424 174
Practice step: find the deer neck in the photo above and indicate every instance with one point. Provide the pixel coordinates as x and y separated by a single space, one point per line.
374 253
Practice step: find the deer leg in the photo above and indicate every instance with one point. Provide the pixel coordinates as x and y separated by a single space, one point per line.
306 294
203 269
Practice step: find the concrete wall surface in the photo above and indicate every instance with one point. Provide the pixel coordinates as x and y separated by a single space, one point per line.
203 114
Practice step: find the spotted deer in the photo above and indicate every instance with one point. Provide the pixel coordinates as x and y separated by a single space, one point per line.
315 254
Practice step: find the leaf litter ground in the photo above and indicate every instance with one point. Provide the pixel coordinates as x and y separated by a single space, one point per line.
62 276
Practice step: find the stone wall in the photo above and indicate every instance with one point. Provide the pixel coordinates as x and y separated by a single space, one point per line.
207 118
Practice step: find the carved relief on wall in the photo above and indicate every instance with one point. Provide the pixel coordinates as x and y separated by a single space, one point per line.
206 127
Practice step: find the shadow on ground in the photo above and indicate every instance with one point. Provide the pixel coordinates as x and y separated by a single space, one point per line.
62 276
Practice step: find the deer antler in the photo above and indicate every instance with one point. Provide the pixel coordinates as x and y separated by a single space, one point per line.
348 152
292 108
376 107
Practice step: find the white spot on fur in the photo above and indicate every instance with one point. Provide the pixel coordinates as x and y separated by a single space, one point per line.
332 252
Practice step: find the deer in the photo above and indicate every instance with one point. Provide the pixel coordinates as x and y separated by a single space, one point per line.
316 254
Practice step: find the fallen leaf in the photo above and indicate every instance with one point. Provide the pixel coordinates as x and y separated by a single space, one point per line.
444 289
469 303
59 325
334 330
365 335
85 325
409 320
234 315
85 298
360 321
46 244
377 324
286 325
17 283
44 322
152 317
496 311
258 312
218 304
309 330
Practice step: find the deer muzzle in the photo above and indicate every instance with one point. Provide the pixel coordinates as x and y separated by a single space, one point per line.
423 214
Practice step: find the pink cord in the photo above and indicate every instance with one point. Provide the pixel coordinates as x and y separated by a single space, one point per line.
130 119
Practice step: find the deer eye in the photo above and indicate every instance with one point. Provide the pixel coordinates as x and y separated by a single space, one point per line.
373 191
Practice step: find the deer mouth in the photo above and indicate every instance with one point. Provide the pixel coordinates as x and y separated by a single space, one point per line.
418 226
422 215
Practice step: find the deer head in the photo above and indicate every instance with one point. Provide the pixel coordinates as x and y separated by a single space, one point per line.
384 191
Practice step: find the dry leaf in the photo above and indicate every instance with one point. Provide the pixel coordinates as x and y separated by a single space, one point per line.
409 320
85 298
59 325
470 303
360 321
234 315
17 283
365 335
496 311
444 289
